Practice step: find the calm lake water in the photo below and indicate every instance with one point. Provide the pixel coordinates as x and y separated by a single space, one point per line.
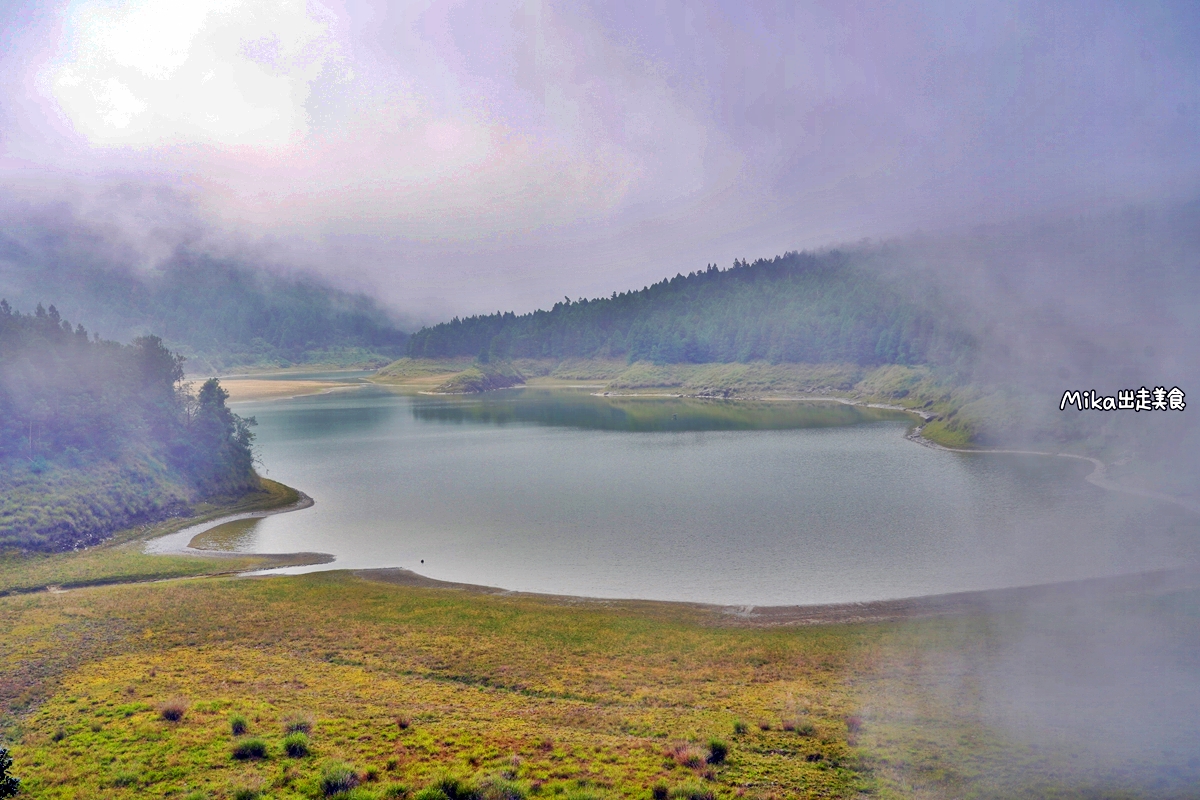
764 504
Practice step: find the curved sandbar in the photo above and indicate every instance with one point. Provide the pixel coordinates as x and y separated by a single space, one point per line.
180 542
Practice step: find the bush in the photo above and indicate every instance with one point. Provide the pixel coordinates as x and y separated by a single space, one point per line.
252 747
739 728
659 791
9 784
173 709
691 791
337 777
449 787
717 750
238 725
687 755
295 745
502 789
395 792
806 729
298 723
853 724
246 794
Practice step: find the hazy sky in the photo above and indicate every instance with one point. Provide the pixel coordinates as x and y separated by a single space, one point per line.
468 156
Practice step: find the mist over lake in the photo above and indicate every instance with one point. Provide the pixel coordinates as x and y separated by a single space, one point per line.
710 501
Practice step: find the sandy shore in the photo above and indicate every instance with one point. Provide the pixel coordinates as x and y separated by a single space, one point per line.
241 389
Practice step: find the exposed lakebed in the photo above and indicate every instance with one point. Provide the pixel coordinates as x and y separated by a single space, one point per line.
772 503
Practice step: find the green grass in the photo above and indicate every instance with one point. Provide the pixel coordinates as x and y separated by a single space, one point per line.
557 699
120 559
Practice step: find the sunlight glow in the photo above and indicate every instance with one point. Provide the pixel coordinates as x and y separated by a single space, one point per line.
218 72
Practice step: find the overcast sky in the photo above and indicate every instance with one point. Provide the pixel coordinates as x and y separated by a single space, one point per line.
473 156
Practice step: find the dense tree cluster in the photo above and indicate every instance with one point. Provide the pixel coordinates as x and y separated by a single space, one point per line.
74 407
799 307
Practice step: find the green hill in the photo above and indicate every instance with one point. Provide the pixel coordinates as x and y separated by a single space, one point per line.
96 436
799 308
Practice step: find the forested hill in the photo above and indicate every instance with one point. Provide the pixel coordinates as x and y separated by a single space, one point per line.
221 314
800 307
96 436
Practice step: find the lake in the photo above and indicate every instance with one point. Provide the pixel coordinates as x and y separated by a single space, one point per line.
776 503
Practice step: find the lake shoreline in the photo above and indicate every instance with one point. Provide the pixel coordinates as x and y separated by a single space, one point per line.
954 604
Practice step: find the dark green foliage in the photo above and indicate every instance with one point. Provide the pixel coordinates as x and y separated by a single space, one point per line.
739 728
96 436
717 751
9 784
799 307
449 787
337 778
247 794
252 747
296 745
692 791
238 725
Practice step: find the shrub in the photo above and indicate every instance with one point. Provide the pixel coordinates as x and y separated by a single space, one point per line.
295 745
298 723
763 725
691 791
337 777
789 725
739 728
403 723
806 729
395 792
717 750
238 725
659 791
687 755
502 789
252 747
853 724
9 784
246 794
59 735
449 787
173 709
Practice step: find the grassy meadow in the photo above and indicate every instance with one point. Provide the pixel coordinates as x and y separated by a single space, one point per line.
334 684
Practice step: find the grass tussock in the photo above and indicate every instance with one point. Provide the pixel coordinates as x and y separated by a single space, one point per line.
301 722
250 748
296 744
173 710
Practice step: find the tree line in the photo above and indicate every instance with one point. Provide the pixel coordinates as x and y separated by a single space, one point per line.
799 307
74 406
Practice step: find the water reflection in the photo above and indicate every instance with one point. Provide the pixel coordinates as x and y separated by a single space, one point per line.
239 536
579 409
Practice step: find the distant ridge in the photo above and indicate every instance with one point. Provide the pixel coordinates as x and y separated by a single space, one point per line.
798 307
